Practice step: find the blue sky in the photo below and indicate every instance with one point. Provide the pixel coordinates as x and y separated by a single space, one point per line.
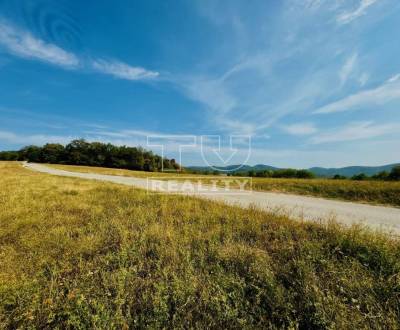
313 82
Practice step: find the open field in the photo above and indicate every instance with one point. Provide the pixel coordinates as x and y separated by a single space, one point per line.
373 192
86 254
296 207
122 172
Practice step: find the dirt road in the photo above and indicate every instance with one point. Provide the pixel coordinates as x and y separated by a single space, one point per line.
297 207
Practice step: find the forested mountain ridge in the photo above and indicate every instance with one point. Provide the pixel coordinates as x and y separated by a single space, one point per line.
348 171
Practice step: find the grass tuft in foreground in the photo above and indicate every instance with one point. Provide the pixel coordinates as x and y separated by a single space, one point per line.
83 254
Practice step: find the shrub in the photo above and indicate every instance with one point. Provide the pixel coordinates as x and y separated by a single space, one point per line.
381 176
359 177
304 174
338 177
395 173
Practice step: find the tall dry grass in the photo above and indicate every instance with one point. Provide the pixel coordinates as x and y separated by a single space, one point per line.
373 192
84 254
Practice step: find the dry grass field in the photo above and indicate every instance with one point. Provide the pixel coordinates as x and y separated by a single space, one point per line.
83 254
122 172
373 192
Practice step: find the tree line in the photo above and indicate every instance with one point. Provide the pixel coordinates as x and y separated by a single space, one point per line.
81 152
393 175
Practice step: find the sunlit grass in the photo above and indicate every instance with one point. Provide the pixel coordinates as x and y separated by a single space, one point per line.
122 172
84 254
373 192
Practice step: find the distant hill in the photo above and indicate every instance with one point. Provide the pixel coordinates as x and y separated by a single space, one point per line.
318 171
352 170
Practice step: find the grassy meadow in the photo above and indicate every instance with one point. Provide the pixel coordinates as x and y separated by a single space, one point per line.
113 171
84 254
372 192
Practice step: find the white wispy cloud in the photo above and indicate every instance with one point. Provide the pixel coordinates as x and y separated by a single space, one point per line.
219 98
251 89
23 44
394 78
349 16
18 140
300 129
356 131
32 139
123 137
122 70
127 133
212 92
388 91
348 68
363 79
238 101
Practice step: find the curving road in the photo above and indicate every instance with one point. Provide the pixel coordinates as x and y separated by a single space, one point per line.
297 207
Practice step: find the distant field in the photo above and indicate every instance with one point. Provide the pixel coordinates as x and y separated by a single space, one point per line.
375 192
85 254
116 171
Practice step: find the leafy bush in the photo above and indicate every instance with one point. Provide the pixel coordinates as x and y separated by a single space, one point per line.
304 174
338 177
395 173
359 177
9 155
380 176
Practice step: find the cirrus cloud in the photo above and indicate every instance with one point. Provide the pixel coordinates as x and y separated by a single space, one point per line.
300 129
23 44
356 131
349 16
388 91
122 70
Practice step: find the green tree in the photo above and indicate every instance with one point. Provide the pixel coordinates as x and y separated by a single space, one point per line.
78 152
395 173
304 174
52 153
338 177
31 154
359 177
81 152
9 155
381 176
